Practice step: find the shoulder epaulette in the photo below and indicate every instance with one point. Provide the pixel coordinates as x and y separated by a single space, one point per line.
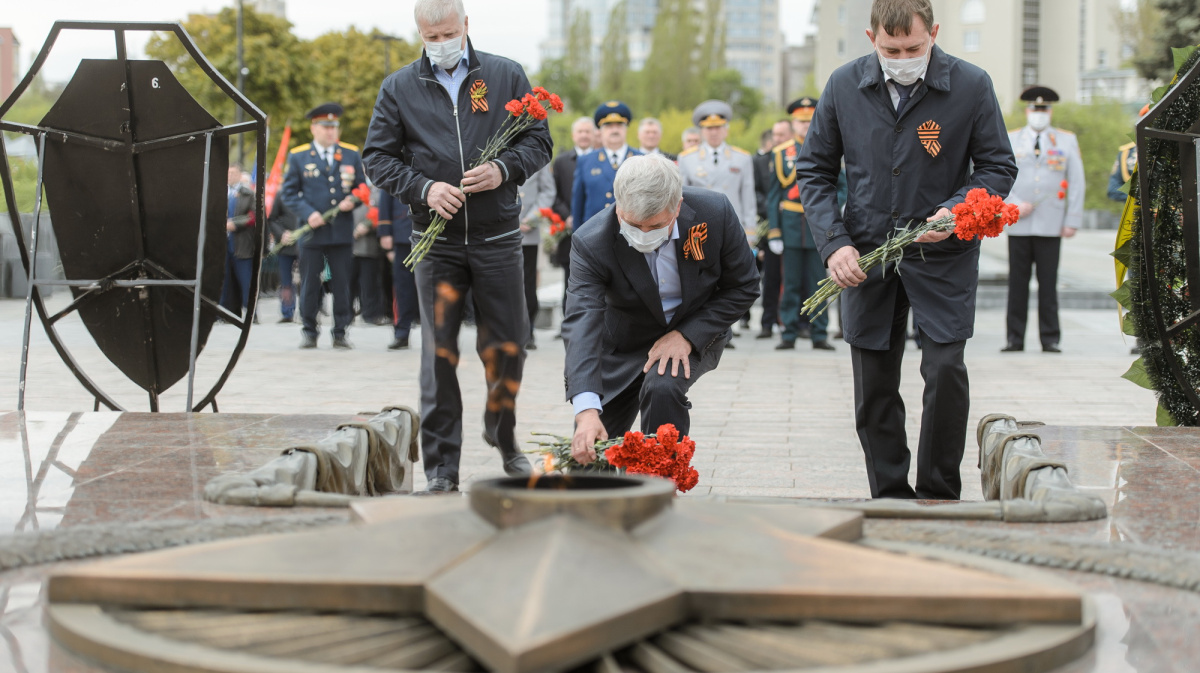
302 148
1126 146
690 150
783 145
1064 131
739 150
348 146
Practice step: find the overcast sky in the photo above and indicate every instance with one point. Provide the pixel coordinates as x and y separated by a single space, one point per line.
514 29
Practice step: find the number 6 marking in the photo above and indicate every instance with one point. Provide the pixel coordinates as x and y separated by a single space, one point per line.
154 83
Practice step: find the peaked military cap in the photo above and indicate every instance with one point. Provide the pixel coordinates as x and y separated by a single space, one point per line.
712 113
803 108
613 112
1039 96
326 114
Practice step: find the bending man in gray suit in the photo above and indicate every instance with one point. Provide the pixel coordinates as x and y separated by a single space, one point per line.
656 282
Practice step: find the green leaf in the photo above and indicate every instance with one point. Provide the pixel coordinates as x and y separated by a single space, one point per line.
1159 93
1128 326
1123 296
1164 418
1124 255
1137 374
1181 55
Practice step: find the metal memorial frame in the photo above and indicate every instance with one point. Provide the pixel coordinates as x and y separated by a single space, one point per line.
1189 162
257 123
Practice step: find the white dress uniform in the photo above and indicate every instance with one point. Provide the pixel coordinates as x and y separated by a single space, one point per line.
726 169
1050 177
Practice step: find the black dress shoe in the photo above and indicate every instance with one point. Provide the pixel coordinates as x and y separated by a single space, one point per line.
398 344
765 334
515 463
786 345
441 485
1051 348
381 320
1012 348
342 343
308 341
729 345
823 346
531 345
287 319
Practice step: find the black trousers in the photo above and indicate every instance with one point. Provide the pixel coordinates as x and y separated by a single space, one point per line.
341 268
1025 252
563 254
404 293
879 415
529 273
659 398
493 274
772 283
368 289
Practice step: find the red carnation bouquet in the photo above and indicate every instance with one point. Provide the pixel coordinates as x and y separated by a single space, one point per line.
555 232
360 195
981 215
663 454
525 112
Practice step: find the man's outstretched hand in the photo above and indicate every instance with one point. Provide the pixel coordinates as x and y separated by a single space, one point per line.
588 431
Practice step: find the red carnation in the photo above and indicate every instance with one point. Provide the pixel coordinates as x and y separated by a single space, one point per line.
556 103
982 215
536 110
516 107
541 93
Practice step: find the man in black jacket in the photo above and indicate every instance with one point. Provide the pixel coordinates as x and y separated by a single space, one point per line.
242 244
431 119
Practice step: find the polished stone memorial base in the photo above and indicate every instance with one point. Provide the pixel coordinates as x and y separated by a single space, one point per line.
433 584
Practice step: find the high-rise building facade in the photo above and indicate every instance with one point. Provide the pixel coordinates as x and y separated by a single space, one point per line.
1072 46
753 41
10 51
273 7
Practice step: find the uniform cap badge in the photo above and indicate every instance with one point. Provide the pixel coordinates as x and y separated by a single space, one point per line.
928 133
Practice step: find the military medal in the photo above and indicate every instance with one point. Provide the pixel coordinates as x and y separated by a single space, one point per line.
347 177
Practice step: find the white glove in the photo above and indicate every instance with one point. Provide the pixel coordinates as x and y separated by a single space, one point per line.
775 245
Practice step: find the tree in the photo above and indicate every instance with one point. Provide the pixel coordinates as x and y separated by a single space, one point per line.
614 69
670 77
348 68
281 73
712 47
577 62
1161 25
726 84
557 77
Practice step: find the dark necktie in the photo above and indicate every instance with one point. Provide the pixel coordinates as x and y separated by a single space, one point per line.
905 91
612 158
1037 145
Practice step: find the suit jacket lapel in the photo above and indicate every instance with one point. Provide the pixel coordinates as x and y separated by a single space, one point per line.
633 265
689 269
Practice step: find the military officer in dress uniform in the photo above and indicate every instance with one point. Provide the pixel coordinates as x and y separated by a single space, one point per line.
320 177
802 265
1124 166
595 171
1049 191
718 166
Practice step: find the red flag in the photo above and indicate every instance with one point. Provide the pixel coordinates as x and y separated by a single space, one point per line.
276 177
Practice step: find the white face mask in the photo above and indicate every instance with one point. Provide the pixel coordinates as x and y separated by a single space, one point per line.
446 54
905 70
1038 121
645 241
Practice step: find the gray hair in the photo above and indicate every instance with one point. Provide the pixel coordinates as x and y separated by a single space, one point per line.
650 121
646 186
583 120
433 12
691 131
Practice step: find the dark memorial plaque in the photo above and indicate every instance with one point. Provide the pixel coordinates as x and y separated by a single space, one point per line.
111 208
134 170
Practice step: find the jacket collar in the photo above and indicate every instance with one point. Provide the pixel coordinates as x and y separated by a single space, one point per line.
937 75
427 66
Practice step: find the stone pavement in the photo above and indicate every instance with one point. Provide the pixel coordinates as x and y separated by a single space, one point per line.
766 422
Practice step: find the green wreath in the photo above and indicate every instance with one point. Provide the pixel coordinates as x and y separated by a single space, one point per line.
1170 366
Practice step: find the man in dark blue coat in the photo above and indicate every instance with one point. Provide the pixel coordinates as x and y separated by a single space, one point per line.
595 171
320 177
917 129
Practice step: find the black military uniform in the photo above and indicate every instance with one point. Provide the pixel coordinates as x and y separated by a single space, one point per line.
317 180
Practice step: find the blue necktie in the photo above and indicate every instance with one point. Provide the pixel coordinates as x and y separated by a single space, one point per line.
905 91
